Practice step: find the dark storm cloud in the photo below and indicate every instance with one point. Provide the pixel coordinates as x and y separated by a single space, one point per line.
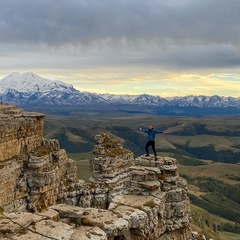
169 29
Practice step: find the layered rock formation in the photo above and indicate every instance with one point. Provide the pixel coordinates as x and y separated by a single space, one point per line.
34 172
126 198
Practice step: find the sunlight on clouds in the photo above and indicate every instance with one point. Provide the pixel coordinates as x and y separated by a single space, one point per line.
139 81
157 83
227 77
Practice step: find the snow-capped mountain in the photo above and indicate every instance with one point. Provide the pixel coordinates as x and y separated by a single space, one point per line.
30 89
205 101
143 99
31 83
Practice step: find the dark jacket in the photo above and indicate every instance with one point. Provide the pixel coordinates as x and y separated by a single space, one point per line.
151 133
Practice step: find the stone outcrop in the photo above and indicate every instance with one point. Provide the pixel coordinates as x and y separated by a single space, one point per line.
126 198
21 132
34 172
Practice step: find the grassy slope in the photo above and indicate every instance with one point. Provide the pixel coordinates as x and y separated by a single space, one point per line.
229 236
82 161
70 126
207 223
226 173
219 171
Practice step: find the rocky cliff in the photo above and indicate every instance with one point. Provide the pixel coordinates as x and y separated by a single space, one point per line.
126 198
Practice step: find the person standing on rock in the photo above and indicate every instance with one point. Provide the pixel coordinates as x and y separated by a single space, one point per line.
151 139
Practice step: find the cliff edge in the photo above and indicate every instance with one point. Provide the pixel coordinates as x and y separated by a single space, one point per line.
126 198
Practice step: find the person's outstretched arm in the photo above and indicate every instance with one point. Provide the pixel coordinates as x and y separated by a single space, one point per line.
158 131
143 130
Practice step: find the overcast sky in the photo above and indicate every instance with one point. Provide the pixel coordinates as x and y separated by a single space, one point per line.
159 47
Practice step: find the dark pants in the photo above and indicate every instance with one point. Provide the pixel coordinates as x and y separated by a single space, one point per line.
150 143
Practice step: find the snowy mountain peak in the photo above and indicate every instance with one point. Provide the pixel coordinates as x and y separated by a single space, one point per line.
31 89
29 83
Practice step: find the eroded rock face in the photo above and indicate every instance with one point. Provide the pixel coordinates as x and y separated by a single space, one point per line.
126 198
34 172
21 132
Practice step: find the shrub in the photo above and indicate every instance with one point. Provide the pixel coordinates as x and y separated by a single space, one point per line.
150 203
42 151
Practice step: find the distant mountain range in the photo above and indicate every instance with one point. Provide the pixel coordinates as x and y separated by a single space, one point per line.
29 89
